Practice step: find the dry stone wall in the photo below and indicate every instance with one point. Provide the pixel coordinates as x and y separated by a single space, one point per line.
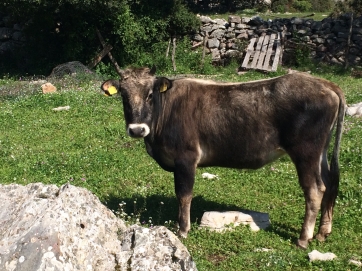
11 35
332 40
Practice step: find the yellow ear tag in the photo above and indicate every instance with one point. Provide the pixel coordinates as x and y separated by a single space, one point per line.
112 90
163 88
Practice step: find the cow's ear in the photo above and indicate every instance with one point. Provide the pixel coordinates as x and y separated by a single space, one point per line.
110 87
164 84
153 70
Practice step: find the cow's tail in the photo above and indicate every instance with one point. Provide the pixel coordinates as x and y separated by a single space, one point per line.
334 173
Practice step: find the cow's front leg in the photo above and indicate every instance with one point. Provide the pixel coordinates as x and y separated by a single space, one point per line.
184 177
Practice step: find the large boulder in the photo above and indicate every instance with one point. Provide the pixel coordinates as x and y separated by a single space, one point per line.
44 227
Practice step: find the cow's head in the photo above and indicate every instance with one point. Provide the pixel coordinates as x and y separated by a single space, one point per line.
136 89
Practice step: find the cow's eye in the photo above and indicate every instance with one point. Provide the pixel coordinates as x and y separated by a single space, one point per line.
150 95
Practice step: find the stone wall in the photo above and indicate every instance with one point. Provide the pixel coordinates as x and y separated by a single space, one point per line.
11 34
327 39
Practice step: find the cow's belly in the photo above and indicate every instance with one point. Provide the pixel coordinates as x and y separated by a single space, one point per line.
240 160
204 157
274 155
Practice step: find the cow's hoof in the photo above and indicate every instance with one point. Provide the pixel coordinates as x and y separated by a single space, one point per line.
303 244
182 234
321 237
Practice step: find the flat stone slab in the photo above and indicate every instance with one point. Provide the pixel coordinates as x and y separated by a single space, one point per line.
355 110
220 221
315 255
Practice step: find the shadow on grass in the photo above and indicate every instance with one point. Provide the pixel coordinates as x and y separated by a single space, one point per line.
159 209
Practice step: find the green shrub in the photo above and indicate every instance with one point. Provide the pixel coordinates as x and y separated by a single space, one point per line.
322 5
62 31
280 5
354 6
302 6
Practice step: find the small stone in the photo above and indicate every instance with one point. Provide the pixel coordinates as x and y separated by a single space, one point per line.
234 19
357 263
61 108
315 255
219 221
209 176
48 88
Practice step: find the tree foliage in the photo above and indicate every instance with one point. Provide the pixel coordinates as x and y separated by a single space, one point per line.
225 5
302 5
61 31
347 6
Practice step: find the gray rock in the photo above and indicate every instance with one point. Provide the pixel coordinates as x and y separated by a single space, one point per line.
215 54
220 22
241 26
305 38
153 249
357 37
18 36
44 227
256 21
354 110
206 28
297 21
342 35
219 33
315 255
6 46
230 35
245 20
234 19
232 53
213 43
18 27
356 263
5 33
357 31
319 41
198 37
242 36
205 19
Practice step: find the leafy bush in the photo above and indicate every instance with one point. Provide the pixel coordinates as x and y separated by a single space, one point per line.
354 6
280 5
62 31
322 5
301 5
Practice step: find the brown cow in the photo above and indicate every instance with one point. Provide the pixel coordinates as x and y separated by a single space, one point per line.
188 123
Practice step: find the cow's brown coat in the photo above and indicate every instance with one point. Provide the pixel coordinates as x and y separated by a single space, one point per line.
197 123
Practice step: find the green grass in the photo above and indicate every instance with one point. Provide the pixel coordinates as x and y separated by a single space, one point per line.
87 146
318 16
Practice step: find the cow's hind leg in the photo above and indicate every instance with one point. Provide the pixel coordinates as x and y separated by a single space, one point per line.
184 177
325 226
309 173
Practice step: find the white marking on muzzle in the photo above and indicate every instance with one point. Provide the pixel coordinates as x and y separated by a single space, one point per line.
138 130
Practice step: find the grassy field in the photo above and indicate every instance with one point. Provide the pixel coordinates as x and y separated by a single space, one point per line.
87 146
316 16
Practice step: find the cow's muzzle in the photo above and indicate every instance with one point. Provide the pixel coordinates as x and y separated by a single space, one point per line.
138 130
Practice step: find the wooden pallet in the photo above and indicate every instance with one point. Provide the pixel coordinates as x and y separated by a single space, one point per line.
263 53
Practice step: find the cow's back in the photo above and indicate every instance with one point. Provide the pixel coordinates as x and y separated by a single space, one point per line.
244 125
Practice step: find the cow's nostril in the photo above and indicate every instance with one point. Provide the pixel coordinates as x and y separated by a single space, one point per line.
138 130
